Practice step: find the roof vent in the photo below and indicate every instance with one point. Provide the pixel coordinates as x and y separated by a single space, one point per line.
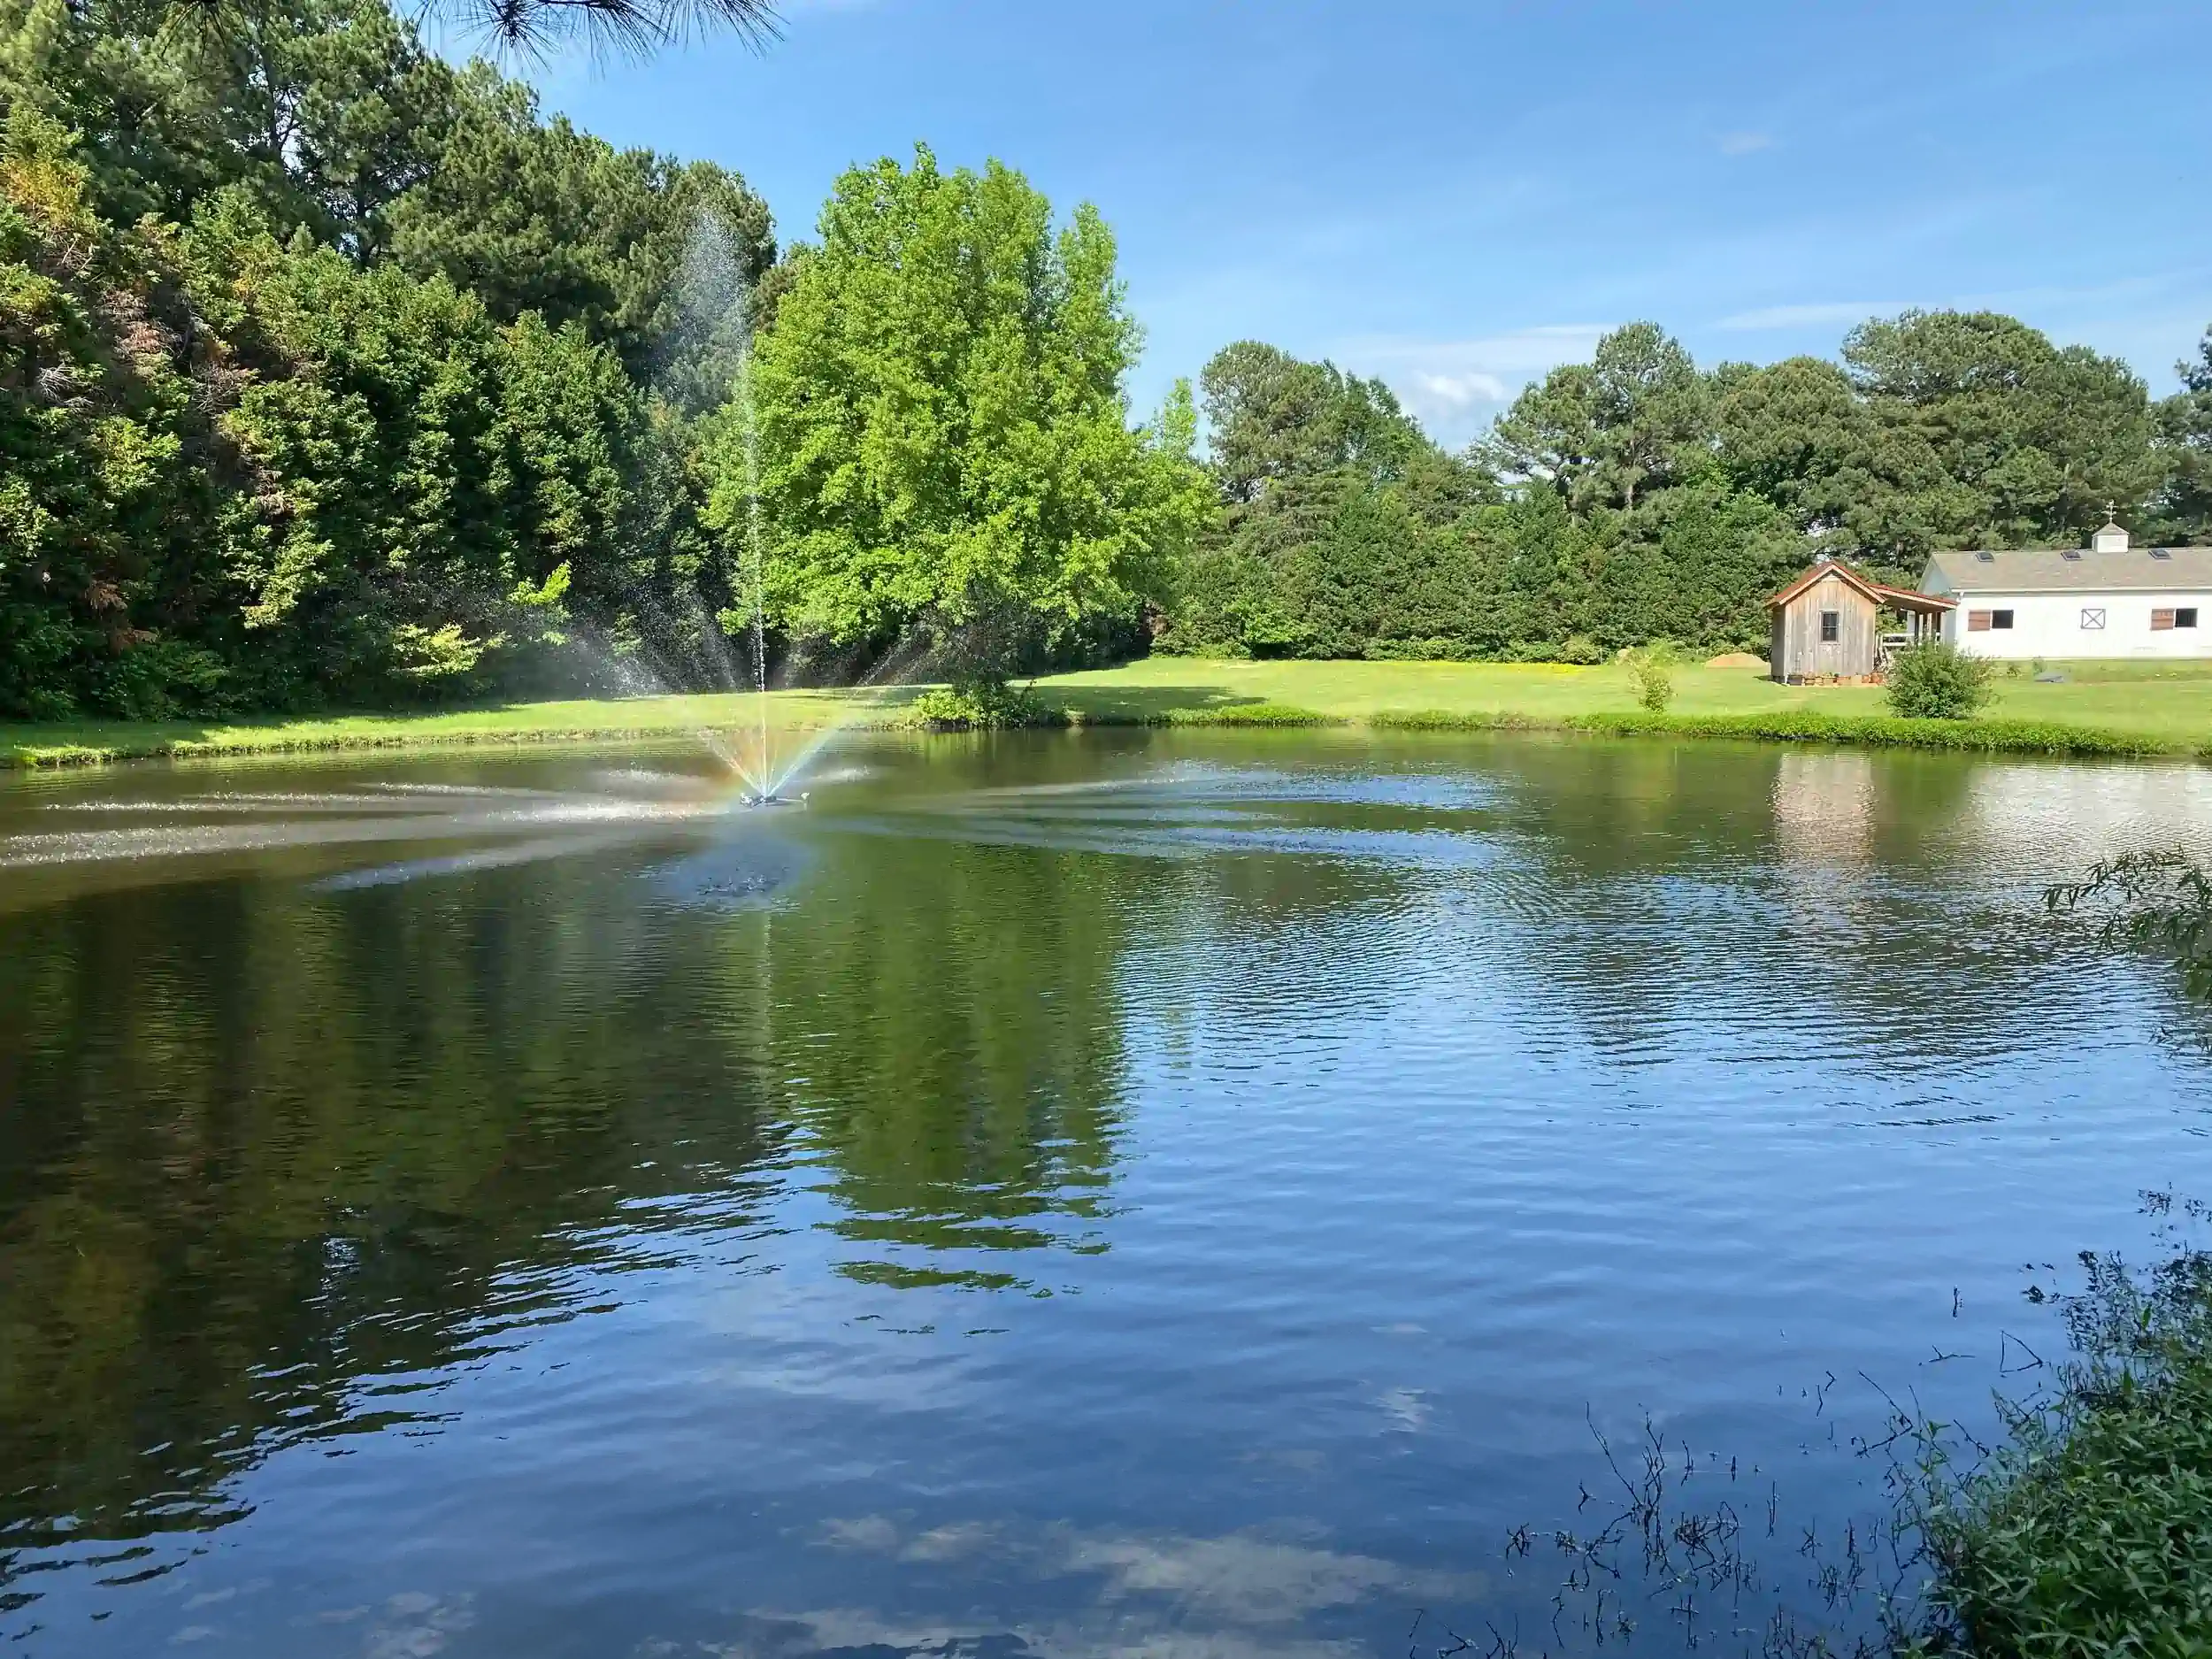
2111 539
2158 552
1986 558
2071 553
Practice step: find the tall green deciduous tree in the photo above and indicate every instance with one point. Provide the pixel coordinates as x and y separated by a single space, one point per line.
943 429
102 446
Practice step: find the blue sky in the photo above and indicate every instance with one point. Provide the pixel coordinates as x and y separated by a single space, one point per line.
1458 196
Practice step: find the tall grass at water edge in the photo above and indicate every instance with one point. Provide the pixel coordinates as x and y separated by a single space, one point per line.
2086 1530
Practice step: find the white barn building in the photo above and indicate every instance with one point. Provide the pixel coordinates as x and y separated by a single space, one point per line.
2109 599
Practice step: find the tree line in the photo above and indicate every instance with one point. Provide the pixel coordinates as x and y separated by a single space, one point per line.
1638 497
330 373
333 374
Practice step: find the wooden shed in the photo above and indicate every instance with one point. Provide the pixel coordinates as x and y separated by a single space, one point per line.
1827 625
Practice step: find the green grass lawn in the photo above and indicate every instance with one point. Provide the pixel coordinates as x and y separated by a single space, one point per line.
2171 703
62 742
2169 706
1356 691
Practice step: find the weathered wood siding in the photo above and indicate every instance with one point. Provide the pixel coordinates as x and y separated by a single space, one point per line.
1798 652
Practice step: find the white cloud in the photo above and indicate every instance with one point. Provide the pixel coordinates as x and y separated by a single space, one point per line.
1090 1635
1235 1581
1454 387
1458 391
1745 143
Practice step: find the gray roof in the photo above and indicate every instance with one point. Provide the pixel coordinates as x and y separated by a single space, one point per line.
2077 570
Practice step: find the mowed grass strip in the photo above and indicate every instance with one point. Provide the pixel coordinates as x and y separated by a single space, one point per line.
2127 708
588 720
2116 708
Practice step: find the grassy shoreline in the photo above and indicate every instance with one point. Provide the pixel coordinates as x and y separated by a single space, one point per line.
2088 1530
2119 710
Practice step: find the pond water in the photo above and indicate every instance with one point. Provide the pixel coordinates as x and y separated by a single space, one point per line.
1163 1193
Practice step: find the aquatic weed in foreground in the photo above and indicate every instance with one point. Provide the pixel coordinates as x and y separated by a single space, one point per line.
2090 1531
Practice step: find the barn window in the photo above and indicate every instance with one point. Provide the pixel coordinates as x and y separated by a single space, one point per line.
1830 622
2093 619
2161 620
1977 621
2185 617
2001 618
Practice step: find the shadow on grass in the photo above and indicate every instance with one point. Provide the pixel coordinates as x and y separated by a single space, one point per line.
66 742
1146 705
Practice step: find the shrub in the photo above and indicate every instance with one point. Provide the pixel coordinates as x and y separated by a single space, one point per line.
162 679
2090 1533
1454 720
1431 650
1652 667
981 708
1218 714
1251 714
1581 650
1935 680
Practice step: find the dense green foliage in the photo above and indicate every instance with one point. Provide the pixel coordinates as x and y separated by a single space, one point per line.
982 706
1334 535
1935 680
1636 498
329 373
2089 1531
943 434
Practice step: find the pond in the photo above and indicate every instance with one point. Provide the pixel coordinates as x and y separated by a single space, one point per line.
1182 1194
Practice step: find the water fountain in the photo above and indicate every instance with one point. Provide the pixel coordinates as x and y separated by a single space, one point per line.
707 362
716 322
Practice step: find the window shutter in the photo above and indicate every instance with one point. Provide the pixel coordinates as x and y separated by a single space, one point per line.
2160 621
1977 622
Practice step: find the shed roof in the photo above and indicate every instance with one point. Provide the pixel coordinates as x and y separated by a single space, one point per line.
1903 598
2074 570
